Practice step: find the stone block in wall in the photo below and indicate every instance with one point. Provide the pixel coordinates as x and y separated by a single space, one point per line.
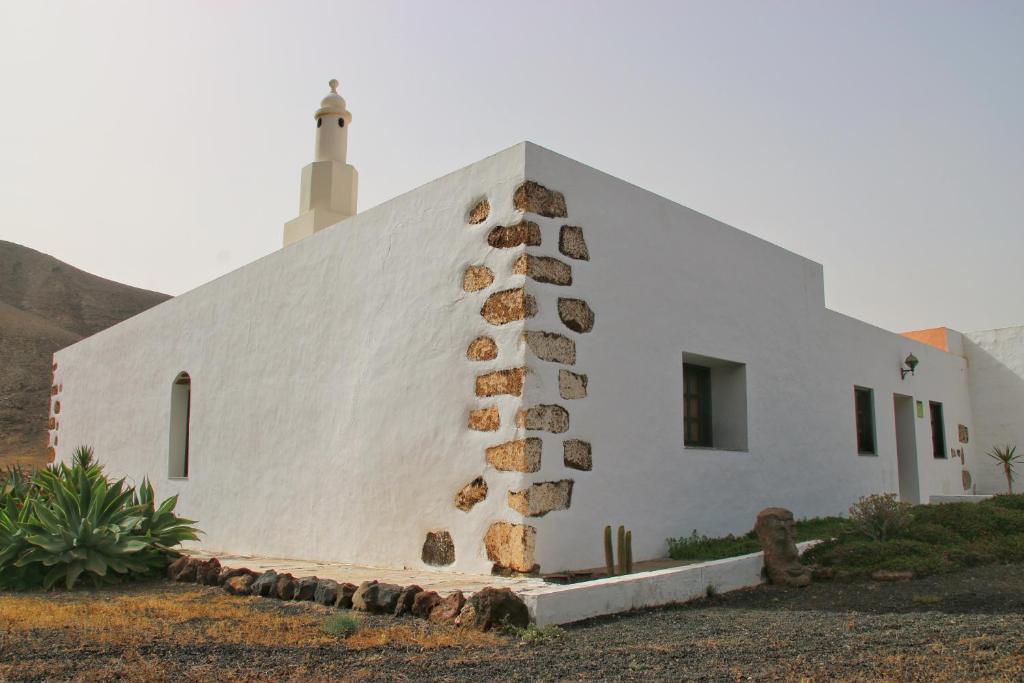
508 306
501 382
548 418
522 455
479 213
533 197
576 454
541 498
523 233
476 278
471 494
571 385
482 348
485 419
438 549
56 407
576 314
572 244
511 546
543 269
551 347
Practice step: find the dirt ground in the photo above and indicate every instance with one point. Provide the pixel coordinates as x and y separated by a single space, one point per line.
958 627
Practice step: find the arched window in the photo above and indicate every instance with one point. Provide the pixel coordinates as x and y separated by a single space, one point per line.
181 406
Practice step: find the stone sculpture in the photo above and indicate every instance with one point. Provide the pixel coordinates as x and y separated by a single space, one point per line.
776 532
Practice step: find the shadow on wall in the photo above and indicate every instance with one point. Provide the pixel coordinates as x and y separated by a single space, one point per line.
995 360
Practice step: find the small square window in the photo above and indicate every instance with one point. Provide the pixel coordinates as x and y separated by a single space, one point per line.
714 403
864 415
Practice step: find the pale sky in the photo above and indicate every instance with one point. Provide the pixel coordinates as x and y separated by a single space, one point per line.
160 143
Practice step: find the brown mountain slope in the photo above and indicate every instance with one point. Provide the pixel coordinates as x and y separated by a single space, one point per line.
45 305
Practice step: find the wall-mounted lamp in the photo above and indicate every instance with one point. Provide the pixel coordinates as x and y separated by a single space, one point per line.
911 363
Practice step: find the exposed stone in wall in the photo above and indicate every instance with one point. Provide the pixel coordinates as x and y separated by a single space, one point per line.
535 198
504 382
479 213
576 314
548 418
471 494
516 456
511 546
438 549
541 498
53 423
572 244
523 233
485 419
543 269
56 407
476 278
551 347
482 348
571 385
508 306
576 455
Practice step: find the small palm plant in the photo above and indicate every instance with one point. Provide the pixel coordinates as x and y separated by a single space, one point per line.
1008 457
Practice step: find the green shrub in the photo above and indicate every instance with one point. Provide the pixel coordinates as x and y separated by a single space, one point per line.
820 528
702 548
697 547
341 624
71 523
971 520
536 635
879 517
863 556
1009 501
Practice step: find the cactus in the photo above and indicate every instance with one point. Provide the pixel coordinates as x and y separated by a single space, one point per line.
609 558
622 550
625 549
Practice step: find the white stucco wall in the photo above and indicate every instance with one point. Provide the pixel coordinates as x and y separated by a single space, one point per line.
996 359
330 385
664 280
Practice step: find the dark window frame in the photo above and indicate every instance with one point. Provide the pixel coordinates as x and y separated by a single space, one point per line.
864 420
936 413
697 432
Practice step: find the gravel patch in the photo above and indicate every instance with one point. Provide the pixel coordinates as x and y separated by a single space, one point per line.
965 626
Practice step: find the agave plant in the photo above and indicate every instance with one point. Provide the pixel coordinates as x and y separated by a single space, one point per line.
1008 457
160 526
71 522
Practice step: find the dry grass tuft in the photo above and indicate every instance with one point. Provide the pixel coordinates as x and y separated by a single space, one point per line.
419 635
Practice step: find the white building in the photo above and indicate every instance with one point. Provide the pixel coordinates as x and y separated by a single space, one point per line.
489 369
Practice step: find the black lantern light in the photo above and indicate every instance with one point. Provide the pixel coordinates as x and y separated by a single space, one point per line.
911 363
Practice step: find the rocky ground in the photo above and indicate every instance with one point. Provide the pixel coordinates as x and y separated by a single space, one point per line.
966 626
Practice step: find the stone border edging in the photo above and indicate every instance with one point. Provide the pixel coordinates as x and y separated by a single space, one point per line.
483 610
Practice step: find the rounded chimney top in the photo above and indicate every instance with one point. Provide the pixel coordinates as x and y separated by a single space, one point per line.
333 104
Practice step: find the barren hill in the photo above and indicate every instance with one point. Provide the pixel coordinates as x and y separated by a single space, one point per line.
45 305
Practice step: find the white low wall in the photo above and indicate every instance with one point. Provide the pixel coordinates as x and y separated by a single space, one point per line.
574 602
934 500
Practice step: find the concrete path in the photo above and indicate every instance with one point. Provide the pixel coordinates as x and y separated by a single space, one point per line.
441 581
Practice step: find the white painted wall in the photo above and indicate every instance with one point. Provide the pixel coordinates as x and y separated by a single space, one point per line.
996 359
664 280
330 385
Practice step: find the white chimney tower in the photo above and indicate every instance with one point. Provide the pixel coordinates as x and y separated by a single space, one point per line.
329 185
